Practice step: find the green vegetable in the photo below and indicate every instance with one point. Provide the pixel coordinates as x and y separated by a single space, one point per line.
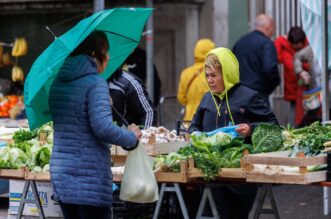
23 135
266 138
43 156
202 141
46 168
37 169
24 146
12 158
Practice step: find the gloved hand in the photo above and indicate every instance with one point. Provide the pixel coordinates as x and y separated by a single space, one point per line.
305 77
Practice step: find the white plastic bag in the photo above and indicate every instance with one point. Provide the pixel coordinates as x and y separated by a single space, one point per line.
138 181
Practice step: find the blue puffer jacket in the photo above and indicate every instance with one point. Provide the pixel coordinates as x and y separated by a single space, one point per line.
83 130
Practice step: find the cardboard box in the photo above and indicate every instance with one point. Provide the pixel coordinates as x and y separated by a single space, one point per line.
45 190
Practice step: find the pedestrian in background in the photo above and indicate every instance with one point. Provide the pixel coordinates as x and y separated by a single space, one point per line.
309 81
257 57
131 101
192 83
136 64
83 129
230 103
286 47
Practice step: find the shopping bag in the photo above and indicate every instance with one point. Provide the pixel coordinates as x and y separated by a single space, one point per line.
231 130
138 181
312 99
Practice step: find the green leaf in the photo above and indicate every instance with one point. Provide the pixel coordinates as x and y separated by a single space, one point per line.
266 138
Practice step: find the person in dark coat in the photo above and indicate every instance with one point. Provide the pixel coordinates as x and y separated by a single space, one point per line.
131 100
83 129
257 57
136 64
230 103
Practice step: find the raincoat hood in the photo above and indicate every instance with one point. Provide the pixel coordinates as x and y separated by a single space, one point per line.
230 75
202 47
76 67
230 68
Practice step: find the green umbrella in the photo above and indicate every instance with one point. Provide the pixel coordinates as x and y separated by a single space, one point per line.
123 27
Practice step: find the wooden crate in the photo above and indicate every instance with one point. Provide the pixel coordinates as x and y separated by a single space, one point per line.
37 176
163 176
12 173
273 168
117 173
223 174
118 160
153 149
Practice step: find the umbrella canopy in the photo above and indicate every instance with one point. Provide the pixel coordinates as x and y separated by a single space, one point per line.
123 27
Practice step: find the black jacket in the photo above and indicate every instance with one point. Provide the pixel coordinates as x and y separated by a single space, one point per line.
257 59
131 100
246 106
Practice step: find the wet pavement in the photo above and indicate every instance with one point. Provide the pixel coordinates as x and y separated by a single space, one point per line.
293 202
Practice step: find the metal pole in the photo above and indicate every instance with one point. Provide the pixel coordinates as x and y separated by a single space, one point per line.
277 18
98 5
325 84
288 15
282 17
325 58
149 52
252 14
269 7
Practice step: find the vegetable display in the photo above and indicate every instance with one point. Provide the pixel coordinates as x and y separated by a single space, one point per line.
211 153
28 151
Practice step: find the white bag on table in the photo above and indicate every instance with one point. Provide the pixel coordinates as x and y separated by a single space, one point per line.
138 181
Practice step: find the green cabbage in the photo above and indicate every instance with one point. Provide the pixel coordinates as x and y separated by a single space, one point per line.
267 138
202 141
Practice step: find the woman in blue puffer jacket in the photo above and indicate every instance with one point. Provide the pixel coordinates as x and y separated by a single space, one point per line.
83 129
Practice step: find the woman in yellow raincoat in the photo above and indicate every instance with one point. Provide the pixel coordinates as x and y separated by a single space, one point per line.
192 83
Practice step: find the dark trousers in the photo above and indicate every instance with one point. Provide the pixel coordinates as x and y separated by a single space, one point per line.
71 211
234 201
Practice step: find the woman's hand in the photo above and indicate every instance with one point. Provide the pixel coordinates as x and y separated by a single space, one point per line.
244 130
135 129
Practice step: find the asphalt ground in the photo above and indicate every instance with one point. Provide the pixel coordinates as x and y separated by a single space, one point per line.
293 202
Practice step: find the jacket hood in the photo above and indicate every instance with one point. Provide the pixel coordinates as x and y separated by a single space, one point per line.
202 47
76 67
230 74
230 67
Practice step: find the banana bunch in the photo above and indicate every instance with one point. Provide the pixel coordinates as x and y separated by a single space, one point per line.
17 74
20 47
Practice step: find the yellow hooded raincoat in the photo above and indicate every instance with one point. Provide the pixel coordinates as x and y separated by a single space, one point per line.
192 83
235 105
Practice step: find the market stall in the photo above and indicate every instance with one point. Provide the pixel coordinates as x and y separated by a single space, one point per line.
290 156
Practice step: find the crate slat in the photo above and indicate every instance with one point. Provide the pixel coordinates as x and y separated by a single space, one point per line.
13 174
276 167
287 178
281 158
230 173
181 177
37 176
153 149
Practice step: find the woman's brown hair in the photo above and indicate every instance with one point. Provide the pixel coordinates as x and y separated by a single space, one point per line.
95 45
